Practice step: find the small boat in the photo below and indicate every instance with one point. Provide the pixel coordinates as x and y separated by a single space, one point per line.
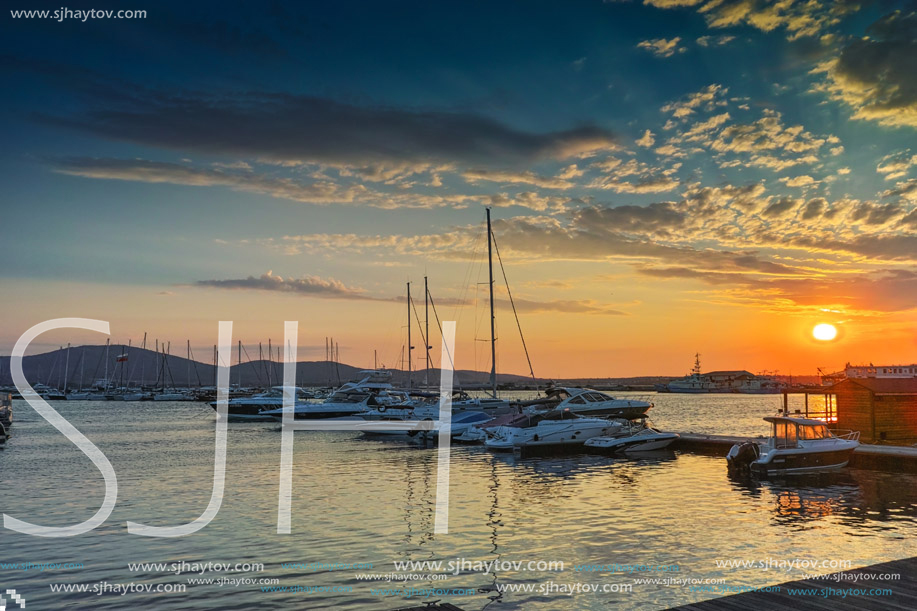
588 402
6 416
173 396
557 428
798 446
634 437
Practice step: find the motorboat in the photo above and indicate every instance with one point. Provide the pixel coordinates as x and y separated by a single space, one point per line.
249 409
373 390
49 394
797 446
460 423
634 437
174 396
554 428
477 434
588 402
461 400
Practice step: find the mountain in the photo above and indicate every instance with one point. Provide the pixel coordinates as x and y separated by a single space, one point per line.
92 365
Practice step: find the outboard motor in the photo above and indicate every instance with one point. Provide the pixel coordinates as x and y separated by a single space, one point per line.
741 456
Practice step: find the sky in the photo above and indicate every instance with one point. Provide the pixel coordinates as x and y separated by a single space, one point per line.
665 177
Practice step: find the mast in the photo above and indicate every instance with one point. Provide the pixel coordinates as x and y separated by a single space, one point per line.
426 316
107 343
239 377
270 358
143 362
410 347
493 337
188 382
67 367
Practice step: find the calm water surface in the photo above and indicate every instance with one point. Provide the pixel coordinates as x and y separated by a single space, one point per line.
372 501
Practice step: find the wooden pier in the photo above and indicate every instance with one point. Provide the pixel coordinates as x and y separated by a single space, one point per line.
896 459
841 592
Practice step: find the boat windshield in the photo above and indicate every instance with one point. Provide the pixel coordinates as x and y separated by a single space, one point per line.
784 434
813 431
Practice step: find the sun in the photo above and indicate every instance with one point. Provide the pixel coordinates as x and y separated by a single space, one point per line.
824 332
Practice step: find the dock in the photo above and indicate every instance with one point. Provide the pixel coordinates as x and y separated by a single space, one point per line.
839 592
898 459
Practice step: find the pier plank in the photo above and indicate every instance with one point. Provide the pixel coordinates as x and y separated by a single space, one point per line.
838 596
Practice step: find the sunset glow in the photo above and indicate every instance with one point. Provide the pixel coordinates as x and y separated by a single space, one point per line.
672 180
824 332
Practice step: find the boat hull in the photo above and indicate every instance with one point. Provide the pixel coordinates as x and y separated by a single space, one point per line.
791 462
631 445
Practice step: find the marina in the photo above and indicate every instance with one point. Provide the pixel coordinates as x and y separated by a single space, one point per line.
505 506
451 306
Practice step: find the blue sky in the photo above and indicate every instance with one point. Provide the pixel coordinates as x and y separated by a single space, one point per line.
740 159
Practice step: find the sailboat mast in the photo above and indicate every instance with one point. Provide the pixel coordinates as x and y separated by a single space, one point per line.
239 377
426 316
143 362
410 347
67 367
493 336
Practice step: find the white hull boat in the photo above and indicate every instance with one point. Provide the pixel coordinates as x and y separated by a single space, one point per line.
552 429
633 438
797 446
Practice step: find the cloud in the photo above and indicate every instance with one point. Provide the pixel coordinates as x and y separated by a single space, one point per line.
314 286
798 181
875 74
881 291
715 41
798 18
502 176
658 184
288 128
707 98
660 47
646 140
140 170
309 285
896 165
781 207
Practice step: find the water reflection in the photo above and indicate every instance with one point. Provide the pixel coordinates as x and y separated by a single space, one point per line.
855 497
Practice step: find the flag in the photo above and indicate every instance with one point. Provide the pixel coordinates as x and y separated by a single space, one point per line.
122 358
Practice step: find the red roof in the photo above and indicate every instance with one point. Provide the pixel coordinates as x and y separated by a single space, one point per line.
884 386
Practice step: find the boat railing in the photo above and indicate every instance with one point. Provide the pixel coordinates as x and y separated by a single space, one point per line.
845 434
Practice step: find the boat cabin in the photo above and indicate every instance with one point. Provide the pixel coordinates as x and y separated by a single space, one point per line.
788 431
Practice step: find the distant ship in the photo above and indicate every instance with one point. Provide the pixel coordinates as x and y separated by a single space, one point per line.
869 371
740 381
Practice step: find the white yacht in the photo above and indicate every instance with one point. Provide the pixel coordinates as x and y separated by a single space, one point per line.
632 438
556 428
372 390
588 402
249 409
797 446
462 421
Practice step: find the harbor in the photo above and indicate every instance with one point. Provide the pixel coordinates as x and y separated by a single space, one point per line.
451 306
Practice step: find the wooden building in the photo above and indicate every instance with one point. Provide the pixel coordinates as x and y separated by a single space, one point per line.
883 410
